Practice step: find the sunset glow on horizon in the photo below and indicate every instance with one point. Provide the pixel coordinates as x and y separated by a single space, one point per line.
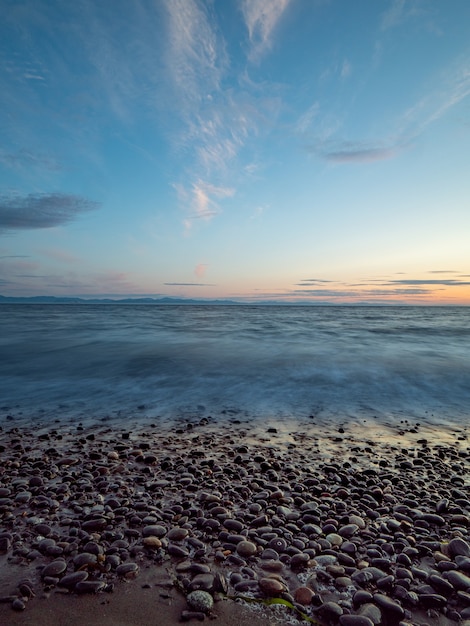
251 150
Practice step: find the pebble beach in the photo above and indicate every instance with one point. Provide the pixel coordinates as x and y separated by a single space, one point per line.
238 521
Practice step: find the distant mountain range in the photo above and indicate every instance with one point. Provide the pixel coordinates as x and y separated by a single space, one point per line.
72 300
169 301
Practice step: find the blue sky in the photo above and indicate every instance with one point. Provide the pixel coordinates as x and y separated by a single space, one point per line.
246 149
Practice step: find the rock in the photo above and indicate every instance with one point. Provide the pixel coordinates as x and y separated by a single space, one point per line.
85 559
127 570
330 611
18 604
246 549
361 597
299 561
278 544
271 565
434 519
154 531
348 531
54 569
177 551
97 523
355 620
432 601
358 521
202 581
458 580
389 607
178 534
271 586
187 616
458 547
334 539
303 595
70 580
371 611
200 601
441 585
152 542
5 544
89 586
367 575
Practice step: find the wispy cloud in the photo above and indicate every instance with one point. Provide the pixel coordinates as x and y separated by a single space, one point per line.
305 120
203 199
195 55
214 123
27 158
42 210
355 154
190 285
358 294
353 151
394 14
15 256
346 69
261 19
200 269
419 281
401 11
452 86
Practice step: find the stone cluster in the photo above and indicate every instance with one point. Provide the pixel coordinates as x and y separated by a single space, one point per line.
350 532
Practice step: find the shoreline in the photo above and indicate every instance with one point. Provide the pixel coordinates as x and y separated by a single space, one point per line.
349 522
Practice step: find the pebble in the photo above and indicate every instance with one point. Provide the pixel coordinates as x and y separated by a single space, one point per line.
458 580
154 531
127 570
371 612
355 620
348 531
54 569
89 586
303 595
271 586
458 547
200 601
246 549
388 606
70 580
177 534
18 604
152 542
330 611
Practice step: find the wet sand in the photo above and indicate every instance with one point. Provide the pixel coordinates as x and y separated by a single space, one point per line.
309 512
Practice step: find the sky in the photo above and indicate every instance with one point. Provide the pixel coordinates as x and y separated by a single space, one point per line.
255 150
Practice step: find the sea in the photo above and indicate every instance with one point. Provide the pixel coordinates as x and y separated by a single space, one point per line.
335 363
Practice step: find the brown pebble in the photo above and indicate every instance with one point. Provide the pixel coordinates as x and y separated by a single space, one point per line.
271 586
303 595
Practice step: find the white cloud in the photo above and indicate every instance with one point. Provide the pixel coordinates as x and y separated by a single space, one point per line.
305 120
196 56
453 87
394 15
202 198
261 18
346 69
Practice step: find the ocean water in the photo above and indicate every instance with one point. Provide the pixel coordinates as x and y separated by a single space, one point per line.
335 363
